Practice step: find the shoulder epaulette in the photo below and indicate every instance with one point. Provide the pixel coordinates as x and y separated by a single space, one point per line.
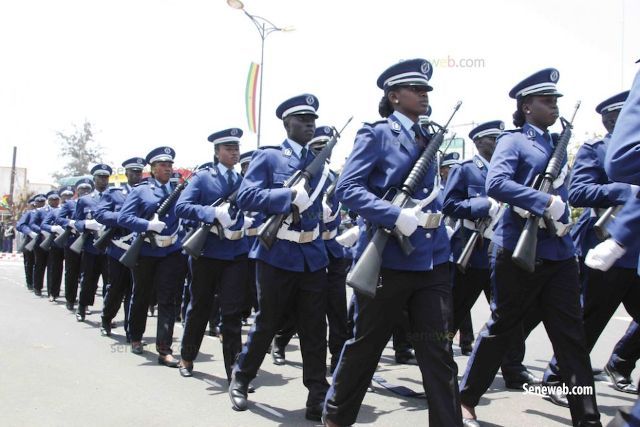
593 141
266 147
141 183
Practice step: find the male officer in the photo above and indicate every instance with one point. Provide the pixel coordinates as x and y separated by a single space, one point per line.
39 254
591 188
23 227
55 255
294 268
93 264
465 198
221 267
65 220
161 266
107 211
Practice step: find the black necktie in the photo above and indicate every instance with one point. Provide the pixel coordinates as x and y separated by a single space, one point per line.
164 190
303 153
230 177
420 140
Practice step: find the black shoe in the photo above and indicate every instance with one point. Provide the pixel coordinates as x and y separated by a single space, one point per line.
238 394
466 349
404 356
137 347
185 371
277 354
470 422
113 324
38 293
52 298
557 397
105 328
214 332
80 314
70 306
314 412
168 361
517 381
620 382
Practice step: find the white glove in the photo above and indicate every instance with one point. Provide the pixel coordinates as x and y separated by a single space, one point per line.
72 223
156 225
557 183
495 207
301 200
557 207
326 212
248 222
221 213
407 221
57 229
349 237
450 231
634 189
92 224
33 234
604 255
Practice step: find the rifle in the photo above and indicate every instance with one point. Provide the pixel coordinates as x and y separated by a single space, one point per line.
474 240
600 227
104 239
271 226
78 244
29 247
524 254
363 277
47 242
130 257
195 242
61 240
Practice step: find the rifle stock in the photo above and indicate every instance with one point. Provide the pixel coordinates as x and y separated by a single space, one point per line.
47 242
600 227
78 244
102 242
61 240
29 247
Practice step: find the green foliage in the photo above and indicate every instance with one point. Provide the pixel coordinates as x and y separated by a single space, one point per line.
79 149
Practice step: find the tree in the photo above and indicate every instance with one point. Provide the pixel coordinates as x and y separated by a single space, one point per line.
80 150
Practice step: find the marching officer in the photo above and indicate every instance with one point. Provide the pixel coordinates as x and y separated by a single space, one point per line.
553 289
57 252
383 155
294 268
465 198
623 360
65 221
40 255
93 264
591 188
161 266
107 212
23 227
222 265
55 255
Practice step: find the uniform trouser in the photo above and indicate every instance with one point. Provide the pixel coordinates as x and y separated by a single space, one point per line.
466 330
91 268
226 279
251 300
307 290
119 288
627 351
554 291
71 275
427 297
28 260
337 304
466 290
186 295
55 263
40 265
165 275
602 293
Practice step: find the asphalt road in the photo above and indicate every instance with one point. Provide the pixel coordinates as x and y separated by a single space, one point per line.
57 372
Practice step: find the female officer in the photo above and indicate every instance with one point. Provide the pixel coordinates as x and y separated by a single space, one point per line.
552 288
383 154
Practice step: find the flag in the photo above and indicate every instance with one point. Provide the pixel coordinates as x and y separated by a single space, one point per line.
250 95
4 202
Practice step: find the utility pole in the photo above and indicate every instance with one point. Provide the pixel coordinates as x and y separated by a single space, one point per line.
13 180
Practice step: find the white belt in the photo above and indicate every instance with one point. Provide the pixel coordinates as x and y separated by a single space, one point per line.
471 225
298 236
328 235
45 233
164 241
429 220
229 234
122 241
251 231
562 229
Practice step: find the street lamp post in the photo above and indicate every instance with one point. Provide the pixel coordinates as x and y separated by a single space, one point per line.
264 27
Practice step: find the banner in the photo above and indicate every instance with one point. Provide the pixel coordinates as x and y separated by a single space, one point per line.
250 95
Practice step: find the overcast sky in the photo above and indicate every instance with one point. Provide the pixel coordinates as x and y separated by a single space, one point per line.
150 73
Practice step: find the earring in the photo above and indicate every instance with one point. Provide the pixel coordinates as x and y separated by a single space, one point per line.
396 101
527 112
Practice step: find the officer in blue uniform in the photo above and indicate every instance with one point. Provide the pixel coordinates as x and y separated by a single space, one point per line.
107 212
294 268
160 266
383 155
23 227
93 264
40 255
251 232
72 259
591 188
466 199
553 289
221 267
623 359
55 255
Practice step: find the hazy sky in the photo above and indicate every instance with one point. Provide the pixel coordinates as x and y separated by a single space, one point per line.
150 73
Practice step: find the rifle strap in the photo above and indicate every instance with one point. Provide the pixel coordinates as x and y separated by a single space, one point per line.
320 186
